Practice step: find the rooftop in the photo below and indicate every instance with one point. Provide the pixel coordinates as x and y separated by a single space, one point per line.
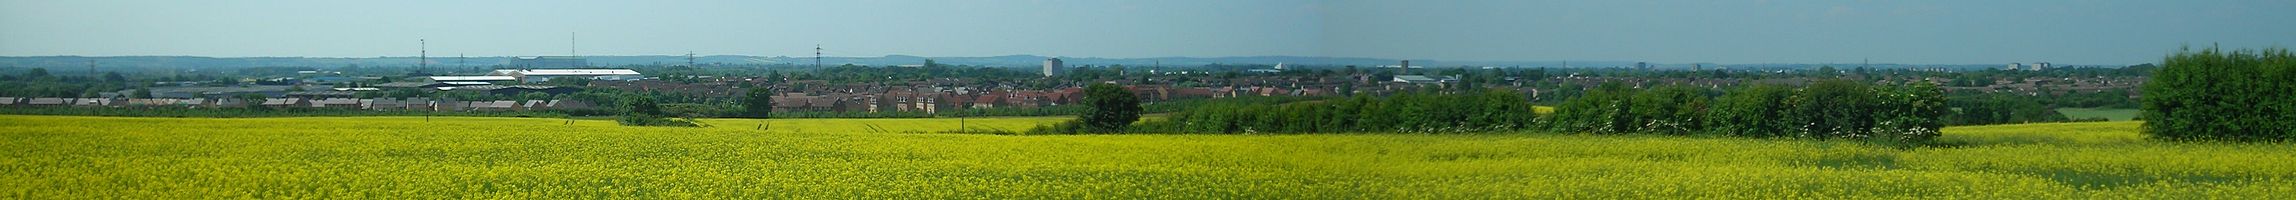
567 72
472 78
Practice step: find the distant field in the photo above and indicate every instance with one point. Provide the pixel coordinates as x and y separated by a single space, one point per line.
50 157
2115 114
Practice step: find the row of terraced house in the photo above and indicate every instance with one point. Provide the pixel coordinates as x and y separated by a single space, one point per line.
379 104
931 100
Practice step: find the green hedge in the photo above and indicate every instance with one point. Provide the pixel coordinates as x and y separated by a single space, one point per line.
2219 95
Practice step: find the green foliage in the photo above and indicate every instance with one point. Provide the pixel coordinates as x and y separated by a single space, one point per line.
1833 109
2222 95
758 103
1410 112
651 120
1827 109
1753 111
1108 109
1673 110
641 105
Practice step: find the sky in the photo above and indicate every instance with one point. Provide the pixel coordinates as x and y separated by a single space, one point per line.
1711 31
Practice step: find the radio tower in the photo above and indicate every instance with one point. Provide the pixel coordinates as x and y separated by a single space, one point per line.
570 45
816 55
689 58
424 62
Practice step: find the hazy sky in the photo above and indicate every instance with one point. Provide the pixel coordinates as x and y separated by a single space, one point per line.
1726 31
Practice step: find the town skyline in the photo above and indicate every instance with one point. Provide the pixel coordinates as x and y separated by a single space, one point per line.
2099 32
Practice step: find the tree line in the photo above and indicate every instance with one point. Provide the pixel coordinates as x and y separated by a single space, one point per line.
1826 109
1432 111
1909 113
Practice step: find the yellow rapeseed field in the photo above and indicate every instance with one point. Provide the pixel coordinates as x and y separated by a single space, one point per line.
49 157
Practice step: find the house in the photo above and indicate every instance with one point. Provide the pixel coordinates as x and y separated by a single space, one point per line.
1421 79
515 90
151 102
188 103
824 104
453 105
382 104
49 102
93 102
219 92
285 102
792 102
568 105
502 105
321 94
228 103
10 101
420 103
349 103
985 101
530 105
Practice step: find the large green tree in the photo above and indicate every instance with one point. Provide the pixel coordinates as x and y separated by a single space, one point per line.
758 103
1109 108
642 105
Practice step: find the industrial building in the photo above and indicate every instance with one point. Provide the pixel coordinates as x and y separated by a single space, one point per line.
544 75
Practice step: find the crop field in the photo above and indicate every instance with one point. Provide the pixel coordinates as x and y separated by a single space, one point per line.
2114 114
51 157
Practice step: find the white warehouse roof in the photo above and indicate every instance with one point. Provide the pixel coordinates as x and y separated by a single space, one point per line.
472 78
569 72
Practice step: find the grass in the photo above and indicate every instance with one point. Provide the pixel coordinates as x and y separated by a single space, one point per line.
2114 114
52 157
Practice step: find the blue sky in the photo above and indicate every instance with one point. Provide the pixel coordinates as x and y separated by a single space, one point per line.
1726 31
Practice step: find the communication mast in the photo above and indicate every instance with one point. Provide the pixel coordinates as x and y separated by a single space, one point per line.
424 58
817 55
570 46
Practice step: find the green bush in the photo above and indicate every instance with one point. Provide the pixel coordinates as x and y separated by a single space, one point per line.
2222 95
651 120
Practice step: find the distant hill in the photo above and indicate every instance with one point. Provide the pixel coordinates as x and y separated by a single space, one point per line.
66 64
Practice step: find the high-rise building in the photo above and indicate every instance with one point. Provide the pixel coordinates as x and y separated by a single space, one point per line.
1404 68
1052 67
2040 66
2015 66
